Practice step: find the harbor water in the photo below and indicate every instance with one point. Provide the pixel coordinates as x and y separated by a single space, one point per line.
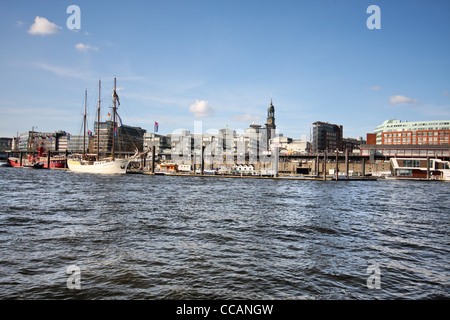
169 237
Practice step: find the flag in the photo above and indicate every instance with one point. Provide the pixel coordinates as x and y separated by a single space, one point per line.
109 114
115 132
68 137
156 126
120 120
90 133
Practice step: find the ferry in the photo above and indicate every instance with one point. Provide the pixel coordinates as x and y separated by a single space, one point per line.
417 169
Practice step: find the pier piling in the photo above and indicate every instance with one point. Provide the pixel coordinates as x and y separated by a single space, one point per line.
337 163
153 159
346 163
48 159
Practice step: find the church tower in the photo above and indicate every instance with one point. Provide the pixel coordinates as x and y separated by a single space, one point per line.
271 116
270 125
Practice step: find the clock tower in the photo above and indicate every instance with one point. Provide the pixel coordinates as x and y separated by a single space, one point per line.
270 125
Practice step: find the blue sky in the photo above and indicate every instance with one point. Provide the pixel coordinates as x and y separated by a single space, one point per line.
220 62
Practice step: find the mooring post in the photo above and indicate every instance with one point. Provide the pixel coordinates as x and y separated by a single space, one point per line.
364 167
428 168
65 160
346 162
153 159
337 163
48 159
316 167
21 158
324 166
202 169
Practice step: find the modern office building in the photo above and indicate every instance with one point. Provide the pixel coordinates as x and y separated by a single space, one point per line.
396 132
326 136
127 138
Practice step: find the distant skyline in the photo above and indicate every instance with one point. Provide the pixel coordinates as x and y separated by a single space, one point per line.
221 62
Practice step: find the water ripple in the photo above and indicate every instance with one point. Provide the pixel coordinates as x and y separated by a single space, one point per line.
154 237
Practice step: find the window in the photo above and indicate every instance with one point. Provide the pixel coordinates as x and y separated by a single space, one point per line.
404 172
411 163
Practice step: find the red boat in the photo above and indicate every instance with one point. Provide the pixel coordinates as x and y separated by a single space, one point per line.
41 161
29 162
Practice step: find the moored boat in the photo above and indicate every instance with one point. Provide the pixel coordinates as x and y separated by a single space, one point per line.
4 163
419 169
106 166
110 165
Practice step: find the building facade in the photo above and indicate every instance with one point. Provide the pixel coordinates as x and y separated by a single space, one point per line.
326 136
127 138
396 132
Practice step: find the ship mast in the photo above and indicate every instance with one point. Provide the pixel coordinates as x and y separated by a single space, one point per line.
98 121
84 124
114 121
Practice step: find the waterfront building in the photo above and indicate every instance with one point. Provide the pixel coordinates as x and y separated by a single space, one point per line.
6 144
352 144
128 139
380 151
326 136
290 146
30 141
396 132
161 143
75 143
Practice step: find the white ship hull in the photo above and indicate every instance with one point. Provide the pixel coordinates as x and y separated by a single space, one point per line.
118 166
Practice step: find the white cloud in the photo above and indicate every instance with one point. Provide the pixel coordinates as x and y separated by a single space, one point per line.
402 99
200 108
375 88
42 27
85 47
65 72
246 118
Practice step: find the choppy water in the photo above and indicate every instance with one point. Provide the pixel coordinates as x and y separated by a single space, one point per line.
161 237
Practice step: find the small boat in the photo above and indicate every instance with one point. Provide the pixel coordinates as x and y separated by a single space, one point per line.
35 165
4 163
419 169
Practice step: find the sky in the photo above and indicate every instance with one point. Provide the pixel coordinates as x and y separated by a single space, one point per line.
221 62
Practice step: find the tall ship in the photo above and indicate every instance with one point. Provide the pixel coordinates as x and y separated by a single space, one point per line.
420 169
94 163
